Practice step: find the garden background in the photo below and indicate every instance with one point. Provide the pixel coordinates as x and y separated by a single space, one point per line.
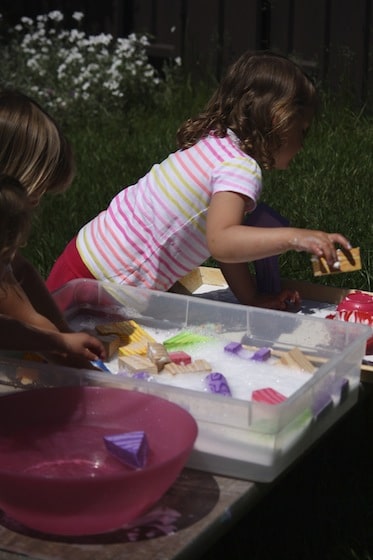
120 101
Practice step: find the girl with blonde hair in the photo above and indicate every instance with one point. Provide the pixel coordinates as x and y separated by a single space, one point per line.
35 158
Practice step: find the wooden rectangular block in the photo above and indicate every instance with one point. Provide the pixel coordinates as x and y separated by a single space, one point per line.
136 364
348 261
195 367
111 343
296 359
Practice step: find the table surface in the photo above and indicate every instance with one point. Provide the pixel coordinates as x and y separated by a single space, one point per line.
196 511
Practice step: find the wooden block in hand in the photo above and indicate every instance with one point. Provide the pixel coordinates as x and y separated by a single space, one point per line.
349 261
111 343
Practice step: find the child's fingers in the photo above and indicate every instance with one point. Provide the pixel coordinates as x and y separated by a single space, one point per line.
331 251
325 245
341 240
96 349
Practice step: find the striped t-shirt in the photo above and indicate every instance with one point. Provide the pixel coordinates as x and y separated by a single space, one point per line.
154 232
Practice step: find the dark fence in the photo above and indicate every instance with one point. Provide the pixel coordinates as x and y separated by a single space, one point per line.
331 38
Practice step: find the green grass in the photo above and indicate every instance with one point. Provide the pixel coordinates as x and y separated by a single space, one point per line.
328 186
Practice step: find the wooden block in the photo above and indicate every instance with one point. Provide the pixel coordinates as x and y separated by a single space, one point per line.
196 278
111 343
128 329
349 261
158 354
34 357
27 376
133 338
135 364
367 373
194 367
296 359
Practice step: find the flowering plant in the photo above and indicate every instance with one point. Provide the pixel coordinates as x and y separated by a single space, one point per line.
64 67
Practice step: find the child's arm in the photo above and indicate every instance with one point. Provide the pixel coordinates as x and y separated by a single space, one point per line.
231 242
15 304
37 293
16 335
243 285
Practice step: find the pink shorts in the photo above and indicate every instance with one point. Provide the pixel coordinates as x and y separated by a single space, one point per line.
68 266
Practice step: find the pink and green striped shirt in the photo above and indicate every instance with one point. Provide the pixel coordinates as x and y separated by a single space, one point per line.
154 232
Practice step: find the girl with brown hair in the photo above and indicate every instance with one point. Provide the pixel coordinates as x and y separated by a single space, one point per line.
193 204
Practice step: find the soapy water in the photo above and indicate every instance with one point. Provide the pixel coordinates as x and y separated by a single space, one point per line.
321 310
242 375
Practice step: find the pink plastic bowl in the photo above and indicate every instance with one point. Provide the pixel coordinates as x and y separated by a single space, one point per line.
56 475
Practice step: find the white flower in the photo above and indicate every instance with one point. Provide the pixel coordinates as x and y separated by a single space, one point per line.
75 35
78 16
64 66
26 21
55 15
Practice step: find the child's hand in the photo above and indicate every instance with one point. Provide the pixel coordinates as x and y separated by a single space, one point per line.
83 345
283 301
319 243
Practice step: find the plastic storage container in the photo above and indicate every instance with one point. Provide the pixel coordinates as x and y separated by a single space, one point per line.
240 438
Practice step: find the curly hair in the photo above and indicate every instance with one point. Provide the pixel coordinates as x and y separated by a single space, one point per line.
259 98
32 146
15 217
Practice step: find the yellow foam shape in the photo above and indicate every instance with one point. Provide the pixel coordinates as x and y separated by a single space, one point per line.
136 347
138 340
135 332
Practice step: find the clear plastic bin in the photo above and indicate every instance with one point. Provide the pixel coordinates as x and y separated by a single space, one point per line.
237 437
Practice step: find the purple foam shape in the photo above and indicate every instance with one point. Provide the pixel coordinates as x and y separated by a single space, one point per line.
142 375
131 448
233 347
322 402
216 383
341 387
261 355
237 348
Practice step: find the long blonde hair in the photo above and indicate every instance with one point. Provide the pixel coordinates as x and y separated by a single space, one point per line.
259 99
33 149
